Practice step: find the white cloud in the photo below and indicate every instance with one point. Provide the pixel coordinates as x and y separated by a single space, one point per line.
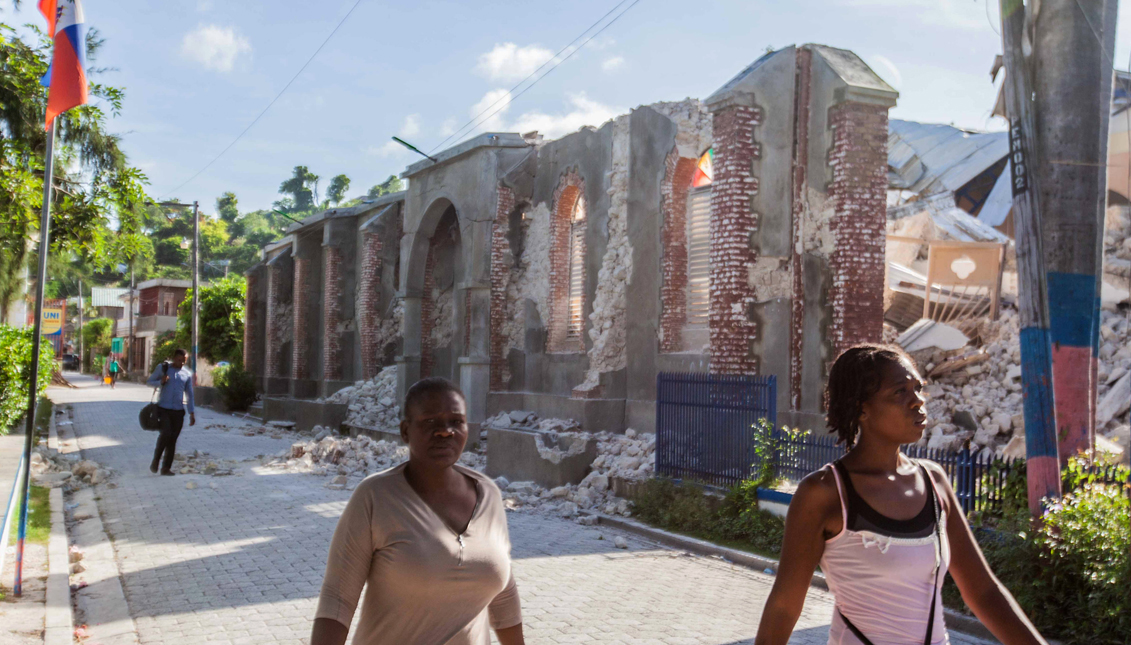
961 14
887 70
448 127
494 103
204 5
612 64
390 149
581 111
411 126
215 48
509 62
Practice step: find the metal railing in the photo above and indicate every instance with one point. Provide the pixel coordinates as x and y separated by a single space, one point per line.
706 426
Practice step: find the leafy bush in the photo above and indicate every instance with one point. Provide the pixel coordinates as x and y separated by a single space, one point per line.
221 320
15 372
163 350
236 385
96 336
1071 574
688 508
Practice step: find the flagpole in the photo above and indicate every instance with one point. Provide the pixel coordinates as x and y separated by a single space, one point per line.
33 381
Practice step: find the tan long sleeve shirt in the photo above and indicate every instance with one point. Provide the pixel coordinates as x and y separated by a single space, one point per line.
425 585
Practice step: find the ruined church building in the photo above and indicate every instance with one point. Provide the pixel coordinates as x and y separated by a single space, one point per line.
743 234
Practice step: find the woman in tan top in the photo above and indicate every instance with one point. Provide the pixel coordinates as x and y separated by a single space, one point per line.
429 538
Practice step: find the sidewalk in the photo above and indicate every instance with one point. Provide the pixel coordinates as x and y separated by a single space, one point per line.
240 559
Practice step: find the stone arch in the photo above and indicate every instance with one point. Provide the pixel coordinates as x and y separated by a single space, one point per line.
569 195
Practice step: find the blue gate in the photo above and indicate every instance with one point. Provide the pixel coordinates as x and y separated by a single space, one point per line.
705 424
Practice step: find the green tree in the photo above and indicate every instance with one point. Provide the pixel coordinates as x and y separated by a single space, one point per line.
390 185
337 190
221 319
94 184
96 336
302 188
227 207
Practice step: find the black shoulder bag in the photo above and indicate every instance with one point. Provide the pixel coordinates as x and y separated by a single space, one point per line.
938 565
150 416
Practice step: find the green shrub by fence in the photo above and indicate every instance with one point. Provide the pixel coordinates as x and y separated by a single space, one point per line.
15 348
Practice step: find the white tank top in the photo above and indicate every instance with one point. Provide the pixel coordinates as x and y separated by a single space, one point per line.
882 571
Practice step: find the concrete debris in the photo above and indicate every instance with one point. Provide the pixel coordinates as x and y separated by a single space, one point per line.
352 458
930 334
203 463
979 402
373 403
521 420
51 469
620 543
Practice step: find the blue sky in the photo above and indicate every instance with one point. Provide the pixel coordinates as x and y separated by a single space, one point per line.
196 73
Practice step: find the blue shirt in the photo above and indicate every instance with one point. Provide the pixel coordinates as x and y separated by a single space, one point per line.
174 392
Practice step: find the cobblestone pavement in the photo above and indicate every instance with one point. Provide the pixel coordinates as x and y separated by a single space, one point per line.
243 562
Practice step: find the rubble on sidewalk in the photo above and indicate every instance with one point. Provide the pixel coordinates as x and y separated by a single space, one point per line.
203 463
372 403
51 469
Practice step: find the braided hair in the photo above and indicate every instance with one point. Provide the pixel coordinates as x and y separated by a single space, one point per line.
855 377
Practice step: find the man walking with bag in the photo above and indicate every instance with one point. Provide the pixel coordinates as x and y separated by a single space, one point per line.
176 385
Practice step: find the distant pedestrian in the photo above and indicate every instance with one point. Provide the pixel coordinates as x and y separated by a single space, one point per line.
884 528
105 371
176 387
429 538
114 368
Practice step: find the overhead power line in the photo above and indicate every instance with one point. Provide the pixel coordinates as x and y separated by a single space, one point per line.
510 97
269 105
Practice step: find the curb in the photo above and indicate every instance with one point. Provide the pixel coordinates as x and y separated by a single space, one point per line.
954 620
58 621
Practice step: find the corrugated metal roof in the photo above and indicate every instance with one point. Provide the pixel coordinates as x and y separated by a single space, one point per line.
928 158
106 297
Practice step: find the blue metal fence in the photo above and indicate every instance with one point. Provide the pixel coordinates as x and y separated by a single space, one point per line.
705 424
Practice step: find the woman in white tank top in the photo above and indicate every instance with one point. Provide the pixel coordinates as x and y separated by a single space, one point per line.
884 528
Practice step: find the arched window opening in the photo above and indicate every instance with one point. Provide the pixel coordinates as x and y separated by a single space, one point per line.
576 297
699 242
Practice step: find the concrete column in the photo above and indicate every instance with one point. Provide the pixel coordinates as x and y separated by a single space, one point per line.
475 367
307 355
408 363
331 313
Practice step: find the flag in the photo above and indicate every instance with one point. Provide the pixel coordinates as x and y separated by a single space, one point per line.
67 27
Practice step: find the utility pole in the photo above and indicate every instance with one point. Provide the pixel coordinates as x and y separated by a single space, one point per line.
130 351
195 287
1073 46
1043 467
80 326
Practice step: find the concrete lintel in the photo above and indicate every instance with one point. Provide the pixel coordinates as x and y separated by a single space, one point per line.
864 95
474 285
732 99
485 140
473 360
409 294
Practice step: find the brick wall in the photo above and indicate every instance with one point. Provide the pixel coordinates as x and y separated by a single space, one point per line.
369 302
332 313
673 294
427 305
859 181
733 221
570 188
303 291
803 106
501 263
274 320
253 319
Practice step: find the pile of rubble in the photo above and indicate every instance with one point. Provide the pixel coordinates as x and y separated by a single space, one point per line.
53 470
349 459
974 394
372 403
203 463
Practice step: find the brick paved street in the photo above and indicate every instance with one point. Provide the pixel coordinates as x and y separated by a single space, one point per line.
243 563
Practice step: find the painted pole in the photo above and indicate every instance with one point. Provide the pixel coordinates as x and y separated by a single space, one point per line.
80 326
33 378
195 287
1073 45
1043 464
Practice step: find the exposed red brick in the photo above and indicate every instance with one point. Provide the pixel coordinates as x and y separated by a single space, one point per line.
802 108
332 313
303 292
733 221
500 277
369 301
571 188
859 182
673 292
